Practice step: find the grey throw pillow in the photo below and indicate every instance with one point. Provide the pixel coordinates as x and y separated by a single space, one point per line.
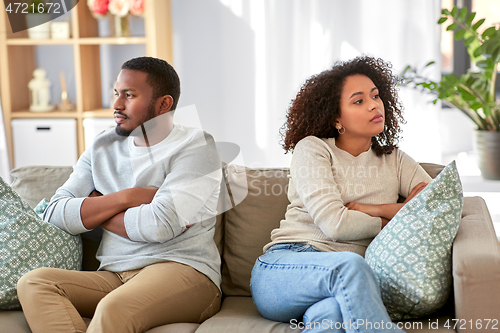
411 256
27 242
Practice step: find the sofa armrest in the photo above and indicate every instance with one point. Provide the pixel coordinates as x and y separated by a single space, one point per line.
476 267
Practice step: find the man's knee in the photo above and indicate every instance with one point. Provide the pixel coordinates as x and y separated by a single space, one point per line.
111 302
35 279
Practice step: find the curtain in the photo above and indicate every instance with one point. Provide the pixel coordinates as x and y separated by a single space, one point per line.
4 155
241 62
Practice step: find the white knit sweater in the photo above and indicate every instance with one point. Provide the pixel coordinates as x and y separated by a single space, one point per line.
324 178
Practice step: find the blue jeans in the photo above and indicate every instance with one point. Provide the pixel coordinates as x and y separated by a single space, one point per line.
328 291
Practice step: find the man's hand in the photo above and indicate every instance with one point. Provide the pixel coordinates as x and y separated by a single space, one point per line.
416 190
95 194
98 208
135 197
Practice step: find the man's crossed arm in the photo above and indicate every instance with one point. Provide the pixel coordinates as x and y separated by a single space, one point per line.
108 210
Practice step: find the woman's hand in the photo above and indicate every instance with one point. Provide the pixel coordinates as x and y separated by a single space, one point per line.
416 190
372 210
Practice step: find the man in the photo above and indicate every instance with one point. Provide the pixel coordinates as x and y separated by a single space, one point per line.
153 187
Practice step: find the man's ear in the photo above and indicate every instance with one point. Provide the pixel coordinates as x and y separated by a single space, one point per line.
166 103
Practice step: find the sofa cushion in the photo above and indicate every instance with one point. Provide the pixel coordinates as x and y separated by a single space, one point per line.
239 315
249 224
411 256
33 183
14 322
27 242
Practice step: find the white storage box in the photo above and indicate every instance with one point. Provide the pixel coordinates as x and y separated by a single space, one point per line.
44 142
94 126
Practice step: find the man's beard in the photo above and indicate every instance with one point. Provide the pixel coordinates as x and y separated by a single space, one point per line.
150 115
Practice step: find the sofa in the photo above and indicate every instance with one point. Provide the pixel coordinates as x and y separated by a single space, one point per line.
253 201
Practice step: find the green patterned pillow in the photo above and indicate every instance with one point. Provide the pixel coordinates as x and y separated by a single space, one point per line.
27 242
411 256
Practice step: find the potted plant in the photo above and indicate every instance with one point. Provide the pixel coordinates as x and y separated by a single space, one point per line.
38 20
473 93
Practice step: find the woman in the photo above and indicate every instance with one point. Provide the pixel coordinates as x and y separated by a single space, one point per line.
345 177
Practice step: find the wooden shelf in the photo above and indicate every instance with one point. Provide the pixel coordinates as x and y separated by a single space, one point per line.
17 62
112 40
27 41
49 114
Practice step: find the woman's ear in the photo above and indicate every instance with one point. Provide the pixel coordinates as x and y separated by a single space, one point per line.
337 125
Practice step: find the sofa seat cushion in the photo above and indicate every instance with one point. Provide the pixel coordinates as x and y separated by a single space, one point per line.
175 328
13 322
238 314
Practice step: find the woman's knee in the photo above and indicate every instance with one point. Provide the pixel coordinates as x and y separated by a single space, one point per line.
355 261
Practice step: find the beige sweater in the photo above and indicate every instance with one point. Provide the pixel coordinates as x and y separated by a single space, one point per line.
324 178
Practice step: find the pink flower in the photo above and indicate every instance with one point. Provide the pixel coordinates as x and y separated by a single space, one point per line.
119 7
136 7
99 7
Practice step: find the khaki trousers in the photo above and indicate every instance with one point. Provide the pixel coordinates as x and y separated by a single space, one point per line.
55 300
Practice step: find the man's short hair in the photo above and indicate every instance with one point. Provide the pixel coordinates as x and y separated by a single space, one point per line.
162 77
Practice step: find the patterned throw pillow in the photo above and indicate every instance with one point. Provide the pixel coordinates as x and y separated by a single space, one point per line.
27 242
411 256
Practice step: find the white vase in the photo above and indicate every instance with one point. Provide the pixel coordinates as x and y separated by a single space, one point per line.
38 26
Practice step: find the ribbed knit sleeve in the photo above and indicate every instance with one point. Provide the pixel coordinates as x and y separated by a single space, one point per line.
63 210
410 173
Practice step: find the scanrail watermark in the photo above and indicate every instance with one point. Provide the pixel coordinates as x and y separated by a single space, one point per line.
354 325
431 324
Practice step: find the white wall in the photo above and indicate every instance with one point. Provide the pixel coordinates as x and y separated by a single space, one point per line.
242 61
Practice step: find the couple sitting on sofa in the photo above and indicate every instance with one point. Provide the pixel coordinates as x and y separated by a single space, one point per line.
153 186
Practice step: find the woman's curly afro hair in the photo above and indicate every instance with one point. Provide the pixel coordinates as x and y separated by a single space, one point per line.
317 105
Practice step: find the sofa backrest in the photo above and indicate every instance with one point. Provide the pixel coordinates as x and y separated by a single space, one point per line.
247 226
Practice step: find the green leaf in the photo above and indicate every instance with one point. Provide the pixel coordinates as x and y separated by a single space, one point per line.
445 11
442 20
430 63
470 18
452 26
465 94
459 34
477 52
478 24
490 45
495 55
482 64
490 32
462 14
454 12
475 106
469 40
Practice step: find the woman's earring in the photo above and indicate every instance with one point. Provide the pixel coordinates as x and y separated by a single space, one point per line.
341 128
